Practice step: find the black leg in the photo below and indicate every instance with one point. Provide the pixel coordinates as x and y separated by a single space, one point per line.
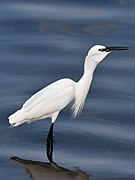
49 147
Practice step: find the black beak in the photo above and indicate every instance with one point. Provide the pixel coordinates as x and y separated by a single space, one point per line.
108 49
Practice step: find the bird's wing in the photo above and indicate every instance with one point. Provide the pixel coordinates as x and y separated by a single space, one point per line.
50 92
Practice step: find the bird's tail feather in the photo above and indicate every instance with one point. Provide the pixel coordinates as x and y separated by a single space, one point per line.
18 118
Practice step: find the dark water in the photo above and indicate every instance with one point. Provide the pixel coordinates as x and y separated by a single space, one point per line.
42 41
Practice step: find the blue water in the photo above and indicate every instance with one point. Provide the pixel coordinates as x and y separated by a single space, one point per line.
42 41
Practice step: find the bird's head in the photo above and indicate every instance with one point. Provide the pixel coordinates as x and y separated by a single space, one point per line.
99 52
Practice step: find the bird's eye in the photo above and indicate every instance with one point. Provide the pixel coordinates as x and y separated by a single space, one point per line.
100 49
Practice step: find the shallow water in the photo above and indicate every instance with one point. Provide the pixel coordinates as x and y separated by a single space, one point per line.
42 41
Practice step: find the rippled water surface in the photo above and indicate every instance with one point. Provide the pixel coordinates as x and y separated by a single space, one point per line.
42 41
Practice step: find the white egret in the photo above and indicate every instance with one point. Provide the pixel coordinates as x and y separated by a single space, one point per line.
48 102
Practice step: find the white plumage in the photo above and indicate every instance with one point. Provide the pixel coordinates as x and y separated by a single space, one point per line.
45 103
48 102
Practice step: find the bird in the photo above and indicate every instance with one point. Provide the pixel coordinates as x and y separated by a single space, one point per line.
49 101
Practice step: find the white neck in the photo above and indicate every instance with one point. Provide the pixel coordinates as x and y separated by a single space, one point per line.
89 66
83 85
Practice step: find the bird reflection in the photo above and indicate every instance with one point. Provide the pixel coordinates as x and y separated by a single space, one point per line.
49 171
